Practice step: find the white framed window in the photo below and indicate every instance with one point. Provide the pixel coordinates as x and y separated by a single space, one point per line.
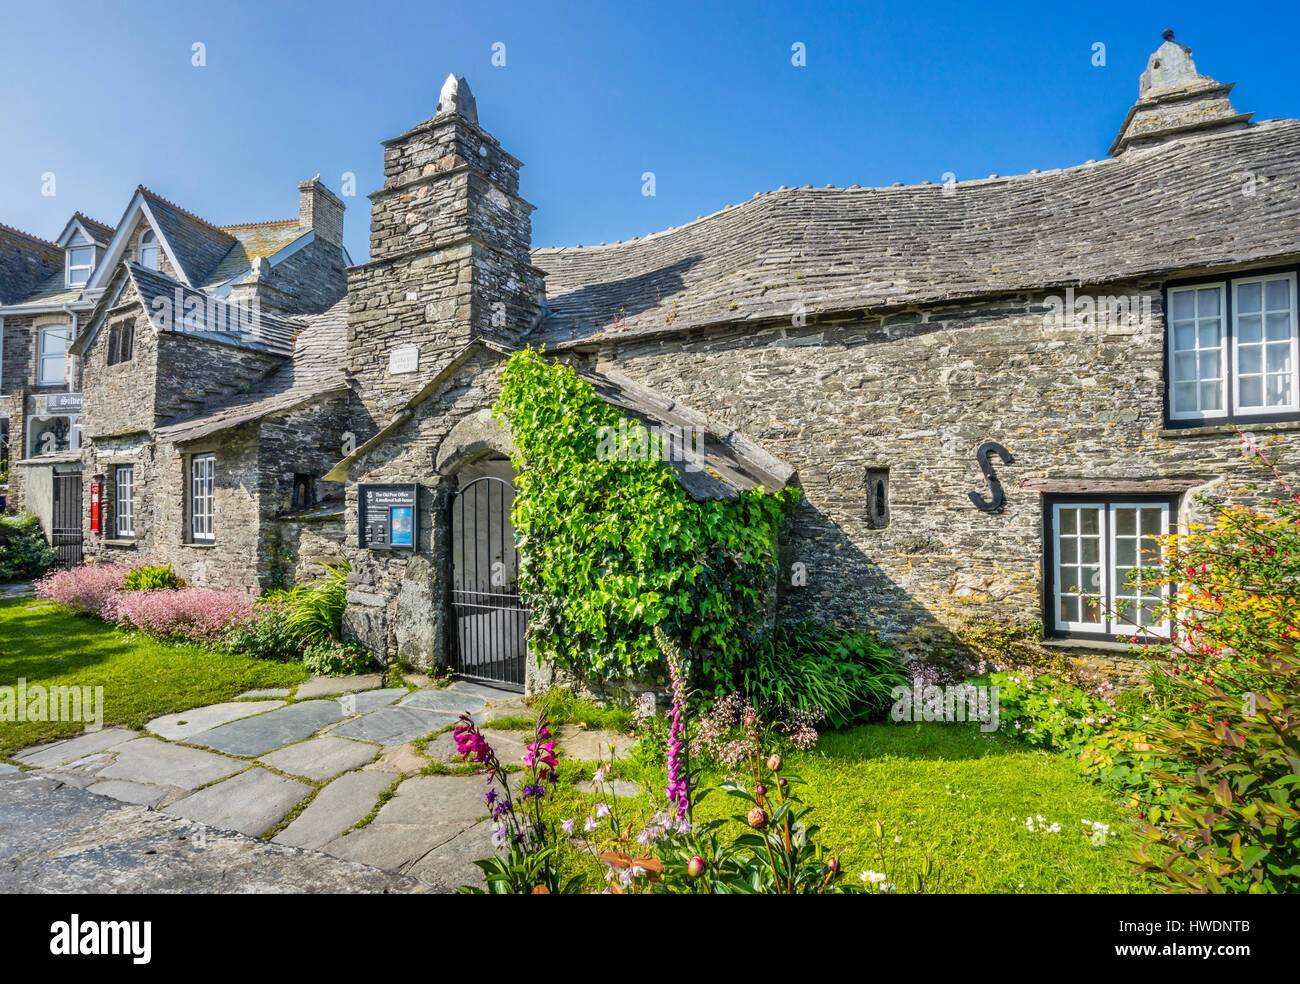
52 355
1234 349
55 432
79 260
148 251
1264 336
1103 566
124 502
1198 346
203 472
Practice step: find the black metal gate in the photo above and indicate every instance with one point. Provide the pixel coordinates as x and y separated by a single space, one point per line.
65 525
488 616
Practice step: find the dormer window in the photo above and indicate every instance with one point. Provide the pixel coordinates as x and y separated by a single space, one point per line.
149 249
79 260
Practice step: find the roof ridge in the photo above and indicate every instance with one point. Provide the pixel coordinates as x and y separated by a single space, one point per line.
93 221
179 208
28 235
268 222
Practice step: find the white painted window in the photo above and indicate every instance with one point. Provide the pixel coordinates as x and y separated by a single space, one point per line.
79 260
149 249
1198 351
1104 564
124 502
1264 335
1234 349
52 355
202 496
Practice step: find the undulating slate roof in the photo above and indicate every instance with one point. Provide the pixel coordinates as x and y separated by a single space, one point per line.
198 245
316 369
727 464
1179 206
217 320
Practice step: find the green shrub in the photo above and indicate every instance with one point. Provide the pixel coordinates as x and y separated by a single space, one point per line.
330 658
267 636
1047 711
1133 703
610 548
149 577
315 611
844 674
24 554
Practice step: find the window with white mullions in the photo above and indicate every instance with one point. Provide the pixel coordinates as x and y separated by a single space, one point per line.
124 502
1265 339
1198 346
1104 568
202 497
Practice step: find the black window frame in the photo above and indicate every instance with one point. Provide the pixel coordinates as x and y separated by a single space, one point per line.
1047 588
1229 416
121 342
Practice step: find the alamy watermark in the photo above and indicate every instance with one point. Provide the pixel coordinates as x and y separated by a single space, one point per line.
638 443
199 312
39 703
1105 311
956 702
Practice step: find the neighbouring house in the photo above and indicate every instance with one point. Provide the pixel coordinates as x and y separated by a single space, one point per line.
992 393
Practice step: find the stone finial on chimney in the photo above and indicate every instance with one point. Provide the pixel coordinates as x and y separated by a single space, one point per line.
320 209
456 97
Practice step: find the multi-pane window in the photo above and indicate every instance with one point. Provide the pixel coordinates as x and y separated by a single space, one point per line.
1233 349
79 261
1103 565
124 502
52 355
121 341
203 473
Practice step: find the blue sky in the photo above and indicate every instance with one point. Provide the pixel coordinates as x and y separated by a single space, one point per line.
591 96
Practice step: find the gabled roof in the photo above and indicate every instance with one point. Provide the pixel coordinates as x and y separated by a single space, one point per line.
200 316
1149 212
316 370
193 245
98 233
26 262
253 240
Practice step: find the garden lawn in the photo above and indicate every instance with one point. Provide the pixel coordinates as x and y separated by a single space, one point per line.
141 676
948 790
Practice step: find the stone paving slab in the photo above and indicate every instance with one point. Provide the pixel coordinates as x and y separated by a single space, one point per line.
588 745
450 701
402 759
163 764
70 749
335 809
6 768
450 863
323 686
251 803
259 735
394 725
435 800
56 839
514 707
321 758
392 847
140 793
182 726
617 787
268 692
481 690
369 700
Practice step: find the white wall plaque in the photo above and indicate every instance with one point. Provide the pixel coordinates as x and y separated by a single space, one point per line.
405 359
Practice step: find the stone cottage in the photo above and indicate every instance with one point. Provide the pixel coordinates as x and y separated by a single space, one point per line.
991 393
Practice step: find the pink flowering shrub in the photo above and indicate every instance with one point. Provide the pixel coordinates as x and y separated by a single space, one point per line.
724 732
191 614
92 589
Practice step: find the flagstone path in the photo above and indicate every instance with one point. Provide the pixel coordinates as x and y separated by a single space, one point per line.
321 757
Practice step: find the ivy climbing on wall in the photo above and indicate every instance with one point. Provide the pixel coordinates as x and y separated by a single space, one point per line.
609 549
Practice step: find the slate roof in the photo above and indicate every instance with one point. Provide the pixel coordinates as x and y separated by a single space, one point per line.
26 262
101 232
316 370
198 245
1178 206
252 240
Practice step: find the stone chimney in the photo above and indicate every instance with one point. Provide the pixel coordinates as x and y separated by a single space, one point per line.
450 260
1174 100
320 209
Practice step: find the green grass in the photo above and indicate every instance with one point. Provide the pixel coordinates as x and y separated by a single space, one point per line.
913 777
142 677
564 707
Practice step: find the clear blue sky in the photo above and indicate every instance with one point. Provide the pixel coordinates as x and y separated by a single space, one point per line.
592 95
